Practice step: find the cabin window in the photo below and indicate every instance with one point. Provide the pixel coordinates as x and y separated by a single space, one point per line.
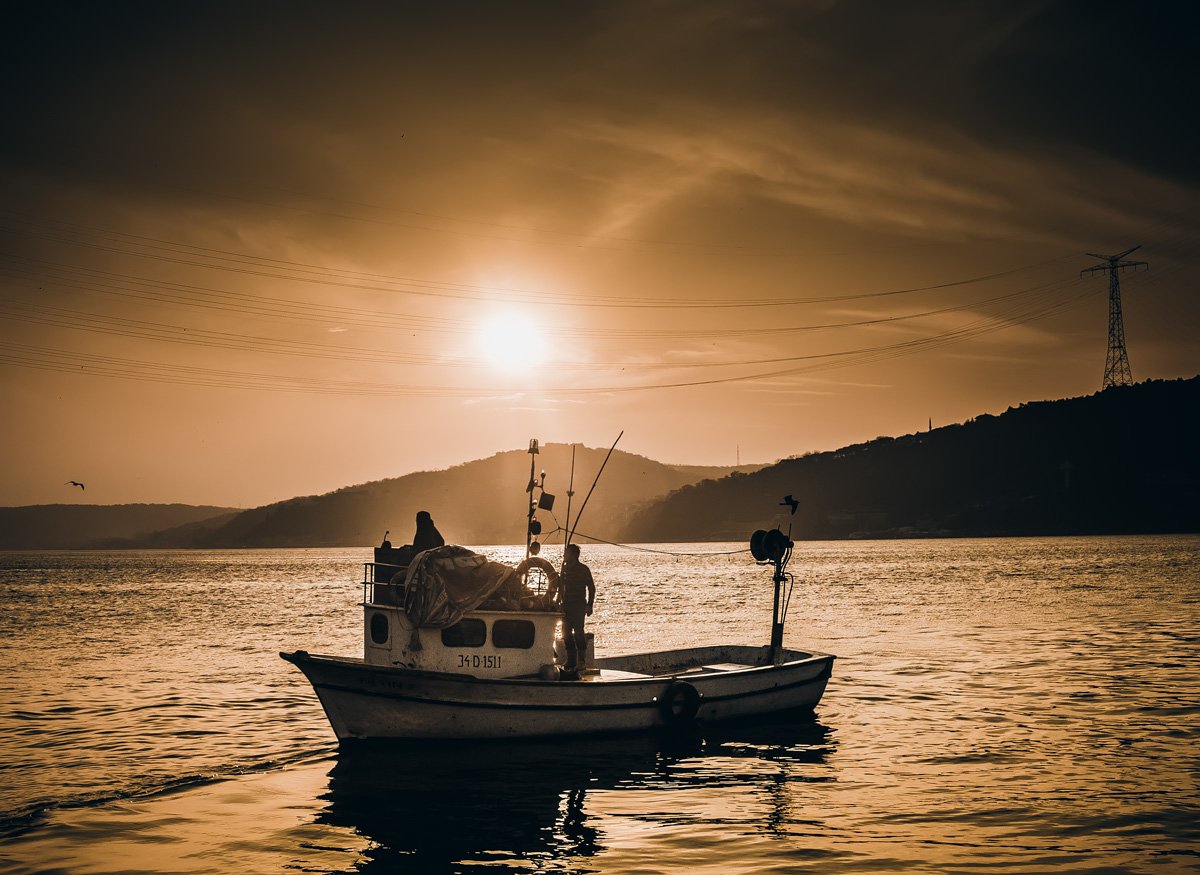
513 633
379 628
465 633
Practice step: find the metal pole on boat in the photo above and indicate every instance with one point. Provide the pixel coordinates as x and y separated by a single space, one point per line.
530 504
776 619
774 547
570 494
582 507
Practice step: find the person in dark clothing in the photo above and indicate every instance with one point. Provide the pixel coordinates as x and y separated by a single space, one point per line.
427 536
578 596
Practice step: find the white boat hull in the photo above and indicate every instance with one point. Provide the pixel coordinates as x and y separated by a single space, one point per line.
640 693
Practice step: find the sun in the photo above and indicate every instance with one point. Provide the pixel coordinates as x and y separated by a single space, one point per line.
512 342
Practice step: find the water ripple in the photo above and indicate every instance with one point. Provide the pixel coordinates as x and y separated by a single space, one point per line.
1013 705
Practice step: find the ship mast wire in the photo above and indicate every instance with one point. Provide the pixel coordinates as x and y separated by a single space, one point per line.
651 549
583 506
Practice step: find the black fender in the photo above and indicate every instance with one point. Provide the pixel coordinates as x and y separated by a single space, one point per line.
679 704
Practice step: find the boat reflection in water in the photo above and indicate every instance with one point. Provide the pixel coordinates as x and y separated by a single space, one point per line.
430 807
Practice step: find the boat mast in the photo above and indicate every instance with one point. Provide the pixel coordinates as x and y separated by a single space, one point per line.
776 548
570 495
777 612
530 504
583 507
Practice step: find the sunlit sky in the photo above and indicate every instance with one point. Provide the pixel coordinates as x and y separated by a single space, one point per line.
254 251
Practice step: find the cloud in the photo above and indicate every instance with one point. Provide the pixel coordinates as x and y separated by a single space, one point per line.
610 119
626 150
934 182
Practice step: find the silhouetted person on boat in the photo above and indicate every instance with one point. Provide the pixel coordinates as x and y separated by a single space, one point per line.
427 536
578 596
386 545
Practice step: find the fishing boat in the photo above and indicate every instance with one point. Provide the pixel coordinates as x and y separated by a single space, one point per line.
458 646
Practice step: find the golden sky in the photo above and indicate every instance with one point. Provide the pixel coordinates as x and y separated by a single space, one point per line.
253 251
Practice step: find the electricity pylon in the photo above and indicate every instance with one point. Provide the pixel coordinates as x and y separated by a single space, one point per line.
1116 363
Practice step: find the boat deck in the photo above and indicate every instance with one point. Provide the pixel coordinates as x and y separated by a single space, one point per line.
720 659
613 674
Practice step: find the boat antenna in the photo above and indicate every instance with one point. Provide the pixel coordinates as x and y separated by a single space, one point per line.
582 507
570 494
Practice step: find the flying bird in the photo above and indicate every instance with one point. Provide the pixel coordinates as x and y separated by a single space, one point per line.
790 502
74 483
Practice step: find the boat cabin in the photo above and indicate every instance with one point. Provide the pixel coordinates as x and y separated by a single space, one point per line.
487 642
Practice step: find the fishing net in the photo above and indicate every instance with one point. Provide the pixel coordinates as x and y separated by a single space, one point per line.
444 583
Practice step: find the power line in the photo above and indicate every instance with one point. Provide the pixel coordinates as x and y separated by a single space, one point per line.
252 265
42 358
96 322
830 361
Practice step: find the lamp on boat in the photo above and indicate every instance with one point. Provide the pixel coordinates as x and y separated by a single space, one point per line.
769 546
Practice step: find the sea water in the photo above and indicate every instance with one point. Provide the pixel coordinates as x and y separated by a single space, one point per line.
1010 705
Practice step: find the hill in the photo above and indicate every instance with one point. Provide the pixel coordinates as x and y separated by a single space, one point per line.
1120 461
76 526
479 502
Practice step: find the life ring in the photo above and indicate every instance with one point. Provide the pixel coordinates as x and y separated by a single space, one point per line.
679 704
544 565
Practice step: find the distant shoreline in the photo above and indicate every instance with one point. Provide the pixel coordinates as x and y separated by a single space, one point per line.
365 549
1117 462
